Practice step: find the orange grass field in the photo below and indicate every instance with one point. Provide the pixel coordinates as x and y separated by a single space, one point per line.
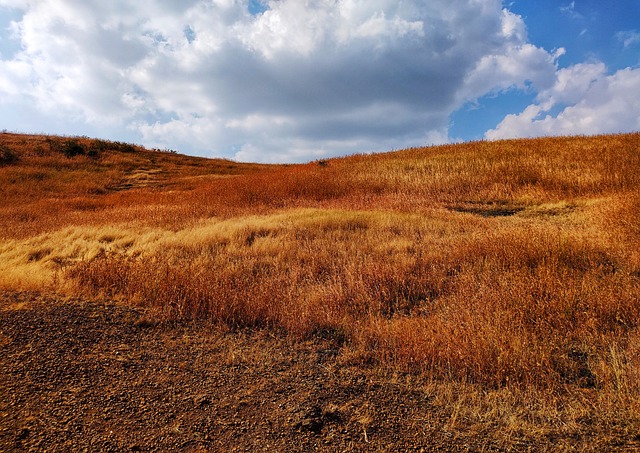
492 265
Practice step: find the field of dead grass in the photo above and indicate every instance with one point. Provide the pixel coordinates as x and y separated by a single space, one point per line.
505 265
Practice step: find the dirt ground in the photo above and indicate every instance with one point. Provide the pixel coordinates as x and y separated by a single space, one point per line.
99 377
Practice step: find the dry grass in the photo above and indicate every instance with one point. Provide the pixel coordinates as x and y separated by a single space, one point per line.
512 266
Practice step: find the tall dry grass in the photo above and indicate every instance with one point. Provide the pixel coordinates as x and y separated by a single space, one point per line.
504 264
482 302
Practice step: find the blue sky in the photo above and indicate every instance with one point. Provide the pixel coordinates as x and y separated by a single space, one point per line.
589 31
298 80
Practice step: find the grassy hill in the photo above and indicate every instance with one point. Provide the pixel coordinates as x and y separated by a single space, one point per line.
511 264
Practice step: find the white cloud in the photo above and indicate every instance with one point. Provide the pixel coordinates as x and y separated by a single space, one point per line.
514 68
301 80
570 11
588 101
13 75
572 83
515 64
628 38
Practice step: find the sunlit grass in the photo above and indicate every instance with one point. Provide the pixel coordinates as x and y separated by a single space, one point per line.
491 265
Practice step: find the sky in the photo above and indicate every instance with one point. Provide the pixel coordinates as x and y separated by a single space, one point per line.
301 80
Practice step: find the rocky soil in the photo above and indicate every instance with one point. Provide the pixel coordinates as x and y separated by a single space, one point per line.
101 377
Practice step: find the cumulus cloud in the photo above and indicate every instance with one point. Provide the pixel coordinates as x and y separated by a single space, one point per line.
583 100
299 80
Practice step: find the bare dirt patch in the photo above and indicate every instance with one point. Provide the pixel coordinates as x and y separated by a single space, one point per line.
79 376
91 376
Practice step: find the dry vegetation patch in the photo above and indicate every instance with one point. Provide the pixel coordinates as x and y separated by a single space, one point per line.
494 265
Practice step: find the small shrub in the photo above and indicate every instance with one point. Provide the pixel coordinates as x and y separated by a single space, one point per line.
123 147
7 155
96 147
72 148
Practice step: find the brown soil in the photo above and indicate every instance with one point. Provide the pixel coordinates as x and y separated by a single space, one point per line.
89 376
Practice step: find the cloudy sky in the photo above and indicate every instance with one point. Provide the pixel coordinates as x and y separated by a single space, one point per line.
298 80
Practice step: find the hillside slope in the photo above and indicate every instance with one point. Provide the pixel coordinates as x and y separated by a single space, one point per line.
507 266
47 182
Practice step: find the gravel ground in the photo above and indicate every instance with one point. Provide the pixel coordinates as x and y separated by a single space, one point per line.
80 376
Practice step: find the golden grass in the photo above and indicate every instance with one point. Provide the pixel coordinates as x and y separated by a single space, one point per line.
504 265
